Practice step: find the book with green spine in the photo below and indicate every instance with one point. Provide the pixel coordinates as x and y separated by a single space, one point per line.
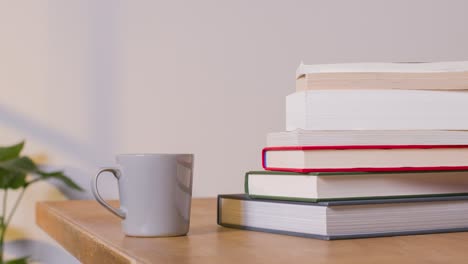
328 186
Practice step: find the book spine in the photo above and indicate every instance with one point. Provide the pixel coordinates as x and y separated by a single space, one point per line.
246 183
218 211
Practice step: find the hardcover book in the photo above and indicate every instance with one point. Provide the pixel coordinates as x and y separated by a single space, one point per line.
404 76
301 137
345 219
322 186
366 158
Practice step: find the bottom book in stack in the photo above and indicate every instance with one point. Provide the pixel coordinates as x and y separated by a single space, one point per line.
345 219
349 205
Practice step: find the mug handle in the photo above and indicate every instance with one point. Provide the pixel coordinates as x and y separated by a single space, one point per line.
94 188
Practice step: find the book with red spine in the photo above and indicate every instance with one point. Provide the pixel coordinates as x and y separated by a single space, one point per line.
365 158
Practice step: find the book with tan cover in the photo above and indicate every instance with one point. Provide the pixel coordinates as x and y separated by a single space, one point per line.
404 75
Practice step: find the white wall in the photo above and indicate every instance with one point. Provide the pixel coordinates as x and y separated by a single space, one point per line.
83 80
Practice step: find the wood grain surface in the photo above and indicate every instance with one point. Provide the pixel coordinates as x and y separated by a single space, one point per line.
93 235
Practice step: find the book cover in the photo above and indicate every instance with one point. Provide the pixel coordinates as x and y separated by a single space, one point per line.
442 167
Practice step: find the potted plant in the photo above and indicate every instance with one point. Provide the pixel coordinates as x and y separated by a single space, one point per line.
14 170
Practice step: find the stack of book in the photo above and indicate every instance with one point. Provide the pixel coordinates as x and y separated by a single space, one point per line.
371 149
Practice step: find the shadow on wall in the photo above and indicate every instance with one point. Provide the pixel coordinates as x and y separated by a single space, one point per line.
41 251
64 144
94 24
68 146
42 133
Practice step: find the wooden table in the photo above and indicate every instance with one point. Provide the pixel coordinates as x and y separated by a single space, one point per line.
93 235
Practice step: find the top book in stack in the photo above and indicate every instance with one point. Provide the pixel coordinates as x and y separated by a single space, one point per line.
403 76
380 96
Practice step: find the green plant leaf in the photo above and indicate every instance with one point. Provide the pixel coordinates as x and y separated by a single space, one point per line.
23 260
17 181
12 179
11 152
13 172
61 177
21 164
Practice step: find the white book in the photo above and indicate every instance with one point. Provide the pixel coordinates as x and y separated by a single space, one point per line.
372 158
377 110
353 185
301 137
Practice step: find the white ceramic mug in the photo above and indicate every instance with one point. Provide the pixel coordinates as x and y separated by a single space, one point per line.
155 193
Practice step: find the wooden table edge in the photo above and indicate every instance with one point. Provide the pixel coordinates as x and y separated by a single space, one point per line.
71 237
